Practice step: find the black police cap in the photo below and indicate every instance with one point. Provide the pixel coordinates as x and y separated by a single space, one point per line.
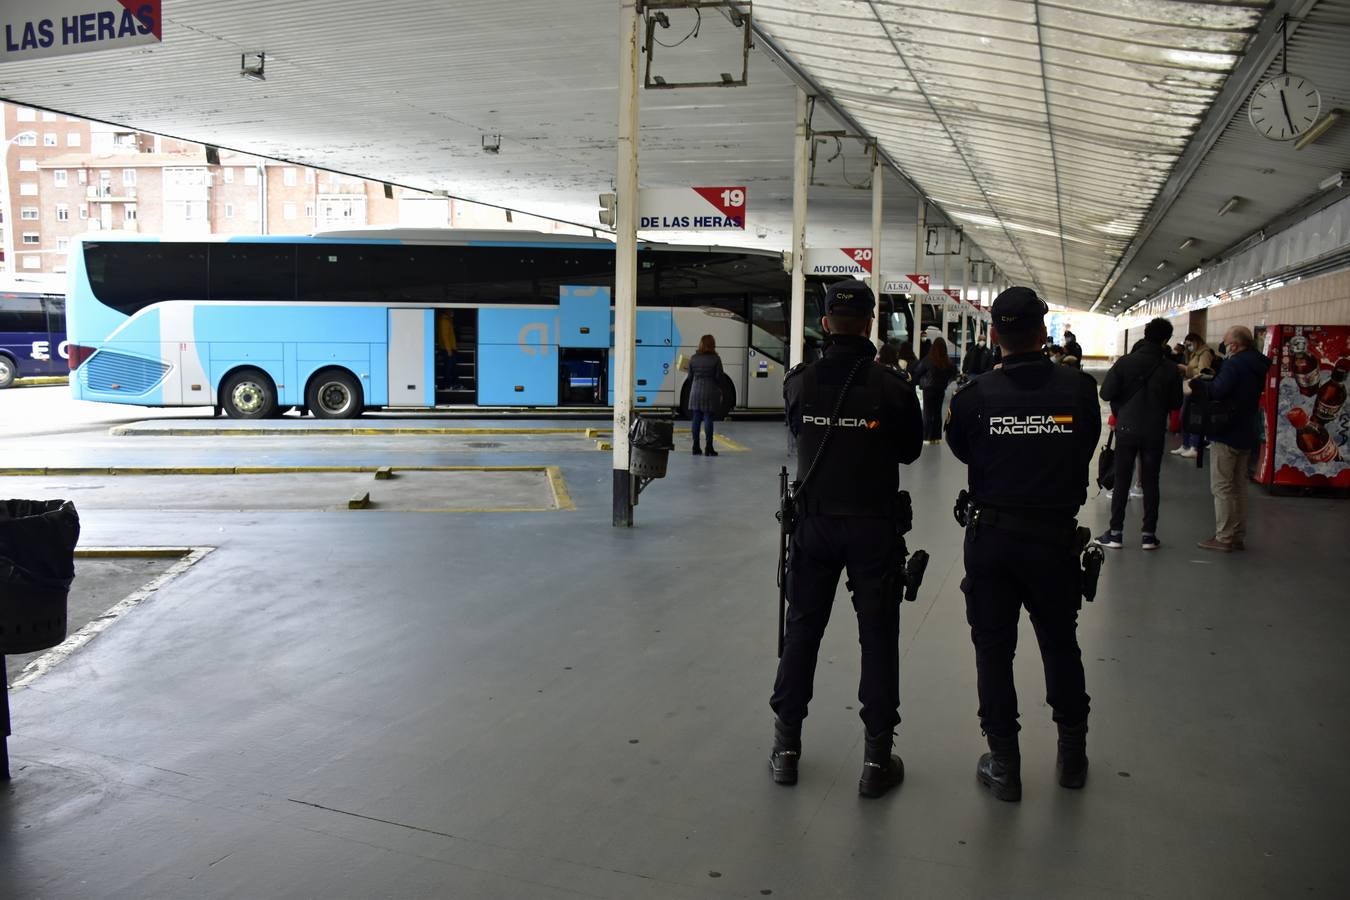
849 298
1018 309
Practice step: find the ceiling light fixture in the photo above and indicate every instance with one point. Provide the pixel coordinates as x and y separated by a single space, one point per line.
1228 206
1320 128
253 65
492 143
1187 244
1333 181
1159 267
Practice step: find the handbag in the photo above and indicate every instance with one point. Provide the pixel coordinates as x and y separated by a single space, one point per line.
1106 464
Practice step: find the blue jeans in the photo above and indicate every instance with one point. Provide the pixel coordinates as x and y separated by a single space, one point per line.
699 415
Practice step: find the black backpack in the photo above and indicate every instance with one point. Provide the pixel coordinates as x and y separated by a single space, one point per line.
1206 416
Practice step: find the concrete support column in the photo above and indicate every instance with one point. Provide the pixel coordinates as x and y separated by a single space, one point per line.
797 314
625 257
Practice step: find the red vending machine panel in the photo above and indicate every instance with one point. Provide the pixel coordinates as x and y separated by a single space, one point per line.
1307 418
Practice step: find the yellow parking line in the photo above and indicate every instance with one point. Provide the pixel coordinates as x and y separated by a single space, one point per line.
319 431
131 552
562 498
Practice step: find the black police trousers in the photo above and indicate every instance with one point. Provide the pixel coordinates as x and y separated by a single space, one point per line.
1004 572
822 547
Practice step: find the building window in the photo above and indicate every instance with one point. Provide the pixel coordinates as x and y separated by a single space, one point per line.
28 165
227 174
309 210
130 214
288 210
82 176
32 262
32 237
229 210
49 139
26 139
28 189
73 139
125 139
62 244
84 213
128 177
288 176
72 118
250 175
309 176
30 213
62 212
25 114
60 177
48 116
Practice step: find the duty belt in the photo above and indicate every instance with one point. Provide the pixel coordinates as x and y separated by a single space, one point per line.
1049 531
826 507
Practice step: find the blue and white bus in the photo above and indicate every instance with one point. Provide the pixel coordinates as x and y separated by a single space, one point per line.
32 329
346 321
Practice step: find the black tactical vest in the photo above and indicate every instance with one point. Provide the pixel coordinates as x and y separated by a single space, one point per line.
1025 450
858 472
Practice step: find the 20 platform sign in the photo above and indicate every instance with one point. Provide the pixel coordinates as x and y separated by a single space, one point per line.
40 28
855 261
693 209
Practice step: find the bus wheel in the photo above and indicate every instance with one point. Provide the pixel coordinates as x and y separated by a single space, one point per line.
7 371
248 394
334 394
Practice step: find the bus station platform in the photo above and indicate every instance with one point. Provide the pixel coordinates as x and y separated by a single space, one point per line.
533 704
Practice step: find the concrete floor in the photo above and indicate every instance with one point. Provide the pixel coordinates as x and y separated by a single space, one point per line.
537 705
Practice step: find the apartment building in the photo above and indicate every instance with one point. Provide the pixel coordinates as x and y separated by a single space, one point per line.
69 177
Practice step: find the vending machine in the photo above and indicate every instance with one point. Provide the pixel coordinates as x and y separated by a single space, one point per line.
1304 409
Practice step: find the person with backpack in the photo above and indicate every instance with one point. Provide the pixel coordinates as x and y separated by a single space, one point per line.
934 374
1143 387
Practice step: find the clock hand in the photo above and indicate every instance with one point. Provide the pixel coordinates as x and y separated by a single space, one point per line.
1286 113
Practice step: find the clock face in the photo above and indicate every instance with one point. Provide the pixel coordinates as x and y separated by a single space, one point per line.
1285 107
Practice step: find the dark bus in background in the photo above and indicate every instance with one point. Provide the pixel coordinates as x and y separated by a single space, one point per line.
32 333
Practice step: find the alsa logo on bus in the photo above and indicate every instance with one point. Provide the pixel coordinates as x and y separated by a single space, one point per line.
1030 425
42 350
831 421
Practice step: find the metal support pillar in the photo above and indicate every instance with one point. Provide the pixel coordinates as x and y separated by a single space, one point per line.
625 257
965 306
797 315
4 715
878 174
946 286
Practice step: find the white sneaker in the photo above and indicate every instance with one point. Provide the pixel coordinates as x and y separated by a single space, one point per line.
1136 493
1179 451
1188 453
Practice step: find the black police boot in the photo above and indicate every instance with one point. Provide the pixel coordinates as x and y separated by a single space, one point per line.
1000 769
1071 762
787 750
882 769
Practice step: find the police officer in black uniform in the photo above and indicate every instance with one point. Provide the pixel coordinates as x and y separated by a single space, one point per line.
848 453
1027 431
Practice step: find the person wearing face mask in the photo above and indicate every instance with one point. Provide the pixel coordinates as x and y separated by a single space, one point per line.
1199 356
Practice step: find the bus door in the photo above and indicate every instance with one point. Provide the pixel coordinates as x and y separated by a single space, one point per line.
583 345
897 321
767 356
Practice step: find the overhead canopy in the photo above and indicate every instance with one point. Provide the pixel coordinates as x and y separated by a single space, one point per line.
1045 129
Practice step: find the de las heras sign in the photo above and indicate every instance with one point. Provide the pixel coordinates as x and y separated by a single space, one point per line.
692 208
38 28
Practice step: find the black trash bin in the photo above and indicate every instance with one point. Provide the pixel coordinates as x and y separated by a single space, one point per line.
650 442
37 565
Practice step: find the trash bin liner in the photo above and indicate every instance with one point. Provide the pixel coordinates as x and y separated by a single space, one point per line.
37 565
652 434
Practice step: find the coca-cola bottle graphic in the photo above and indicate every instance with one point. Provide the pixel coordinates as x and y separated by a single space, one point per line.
1307 371
1312 437
1331 395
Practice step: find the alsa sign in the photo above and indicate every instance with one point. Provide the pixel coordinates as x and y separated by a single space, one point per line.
692 209
855 261
40 28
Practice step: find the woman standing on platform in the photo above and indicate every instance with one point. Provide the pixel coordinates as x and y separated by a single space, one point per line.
934 374
705 391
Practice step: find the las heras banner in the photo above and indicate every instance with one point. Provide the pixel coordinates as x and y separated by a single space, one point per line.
39 28
692 209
